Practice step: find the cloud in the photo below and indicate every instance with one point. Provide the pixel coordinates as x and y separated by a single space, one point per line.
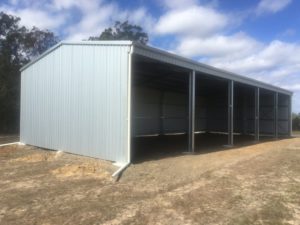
194 20
271 6
36 17
76 19
175 4
236 45
94 19
293 87
278 58
99 17
65 4
95 16
142 17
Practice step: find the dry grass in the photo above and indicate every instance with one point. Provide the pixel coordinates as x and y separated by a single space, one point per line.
93 169
258 184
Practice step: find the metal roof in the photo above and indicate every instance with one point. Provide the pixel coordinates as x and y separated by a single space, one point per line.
170 58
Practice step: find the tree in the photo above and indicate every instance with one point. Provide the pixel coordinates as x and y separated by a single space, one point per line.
123 31
17 46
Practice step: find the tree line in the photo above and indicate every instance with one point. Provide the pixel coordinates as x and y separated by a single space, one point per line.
20 44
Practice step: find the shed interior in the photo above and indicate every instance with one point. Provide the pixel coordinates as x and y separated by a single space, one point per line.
160 111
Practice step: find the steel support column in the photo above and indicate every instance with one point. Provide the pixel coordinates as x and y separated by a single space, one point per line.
230 111
192 97
256 117
276 115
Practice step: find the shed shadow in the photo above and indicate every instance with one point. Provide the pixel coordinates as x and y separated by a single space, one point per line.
165 146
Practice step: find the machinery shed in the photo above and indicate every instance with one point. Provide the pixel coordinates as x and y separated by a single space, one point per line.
116 100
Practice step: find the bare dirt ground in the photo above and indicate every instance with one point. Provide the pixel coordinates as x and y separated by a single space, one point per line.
258 184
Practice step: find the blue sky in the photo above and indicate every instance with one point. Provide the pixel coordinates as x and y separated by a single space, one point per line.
255 38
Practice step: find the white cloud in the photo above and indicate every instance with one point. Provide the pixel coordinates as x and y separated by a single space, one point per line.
98 17
236 45
293 87
179 3
36 17
195 20
277 56
272 6
92 17
142 17
65 4
95 18
139 16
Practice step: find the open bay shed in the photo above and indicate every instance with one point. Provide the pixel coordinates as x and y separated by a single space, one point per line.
113 99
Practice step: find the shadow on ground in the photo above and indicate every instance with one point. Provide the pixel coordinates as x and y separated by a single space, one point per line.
158 147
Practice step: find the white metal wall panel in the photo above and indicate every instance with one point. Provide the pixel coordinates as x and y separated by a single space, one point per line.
75 99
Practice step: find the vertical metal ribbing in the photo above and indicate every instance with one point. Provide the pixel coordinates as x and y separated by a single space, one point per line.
192 92
161 113
256 117
276 114
290 116
230 111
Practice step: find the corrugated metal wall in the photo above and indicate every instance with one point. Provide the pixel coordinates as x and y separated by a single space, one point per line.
283 114
75 99
164 112
266 113
158 112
